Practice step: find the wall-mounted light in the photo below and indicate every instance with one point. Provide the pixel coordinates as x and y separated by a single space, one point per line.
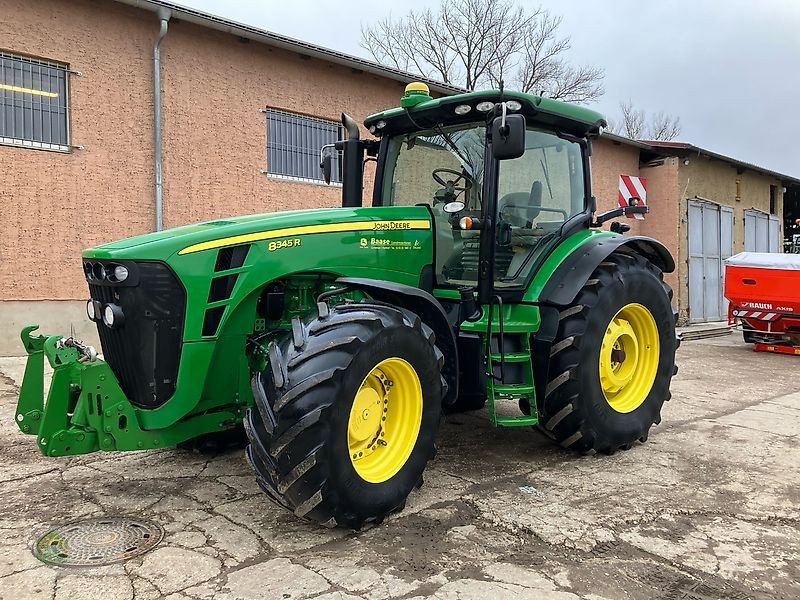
686 162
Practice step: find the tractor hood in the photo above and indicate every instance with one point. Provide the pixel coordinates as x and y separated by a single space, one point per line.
162 245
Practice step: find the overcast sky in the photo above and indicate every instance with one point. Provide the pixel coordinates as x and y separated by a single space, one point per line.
730 69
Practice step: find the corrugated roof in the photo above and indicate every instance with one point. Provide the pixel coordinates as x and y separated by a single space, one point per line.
277 40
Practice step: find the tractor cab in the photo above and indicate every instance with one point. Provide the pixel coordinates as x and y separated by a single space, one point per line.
503 174
445 168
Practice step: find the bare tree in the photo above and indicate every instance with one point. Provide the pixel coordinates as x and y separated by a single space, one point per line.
635 124
475 43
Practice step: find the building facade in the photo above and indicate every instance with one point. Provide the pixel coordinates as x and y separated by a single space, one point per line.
77 146
243 115
704 207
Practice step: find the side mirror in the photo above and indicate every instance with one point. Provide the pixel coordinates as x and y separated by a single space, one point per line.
508 137
327 155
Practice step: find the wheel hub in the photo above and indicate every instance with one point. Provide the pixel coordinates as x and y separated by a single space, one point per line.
619 355
629 356
366 420
384 420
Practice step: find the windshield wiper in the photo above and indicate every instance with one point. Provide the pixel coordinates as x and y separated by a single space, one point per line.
438 129
546 174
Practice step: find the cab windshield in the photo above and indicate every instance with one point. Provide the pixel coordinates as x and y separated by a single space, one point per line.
537 193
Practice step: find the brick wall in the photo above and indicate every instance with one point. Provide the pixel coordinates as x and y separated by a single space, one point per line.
611 159
661 222
56 204
214 134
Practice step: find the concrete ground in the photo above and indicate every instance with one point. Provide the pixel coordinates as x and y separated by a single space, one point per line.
707 508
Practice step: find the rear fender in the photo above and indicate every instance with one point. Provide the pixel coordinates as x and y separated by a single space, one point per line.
429 310
571 275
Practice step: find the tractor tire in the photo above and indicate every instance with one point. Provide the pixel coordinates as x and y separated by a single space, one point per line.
612 360
346 413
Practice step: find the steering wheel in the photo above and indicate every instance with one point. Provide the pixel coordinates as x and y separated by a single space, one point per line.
451 185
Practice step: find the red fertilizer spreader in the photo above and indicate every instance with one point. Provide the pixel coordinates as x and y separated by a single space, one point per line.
764 294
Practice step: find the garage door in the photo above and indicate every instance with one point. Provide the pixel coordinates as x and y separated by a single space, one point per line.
761 232
710 243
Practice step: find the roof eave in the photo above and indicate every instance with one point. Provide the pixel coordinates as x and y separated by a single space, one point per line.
626 141
191 15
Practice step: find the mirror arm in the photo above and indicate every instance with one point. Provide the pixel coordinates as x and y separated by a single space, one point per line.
618 212
572 138
371 147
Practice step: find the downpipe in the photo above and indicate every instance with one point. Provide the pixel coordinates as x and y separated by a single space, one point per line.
164 16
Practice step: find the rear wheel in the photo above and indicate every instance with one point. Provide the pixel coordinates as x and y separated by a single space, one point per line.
346 414
612 360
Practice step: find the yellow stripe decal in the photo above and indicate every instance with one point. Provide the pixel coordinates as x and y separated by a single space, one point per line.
14 88
388 225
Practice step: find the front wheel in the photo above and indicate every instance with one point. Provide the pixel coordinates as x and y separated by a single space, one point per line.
346 414
612 360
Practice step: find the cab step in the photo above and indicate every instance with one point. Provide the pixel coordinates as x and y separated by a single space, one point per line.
521 421
510 378
513 390
511 357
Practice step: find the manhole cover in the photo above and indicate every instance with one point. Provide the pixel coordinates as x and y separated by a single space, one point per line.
101 541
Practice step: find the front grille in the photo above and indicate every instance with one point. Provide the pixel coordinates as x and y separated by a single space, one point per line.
145 351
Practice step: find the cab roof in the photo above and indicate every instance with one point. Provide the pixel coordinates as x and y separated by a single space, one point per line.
547 112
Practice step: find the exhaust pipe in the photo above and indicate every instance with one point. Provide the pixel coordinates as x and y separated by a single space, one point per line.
352 163
351 126
353 168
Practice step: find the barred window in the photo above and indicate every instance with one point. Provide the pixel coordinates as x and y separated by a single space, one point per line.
33 103
294 143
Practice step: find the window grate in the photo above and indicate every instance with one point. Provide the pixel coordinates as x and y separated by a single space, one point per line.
294 143
34 107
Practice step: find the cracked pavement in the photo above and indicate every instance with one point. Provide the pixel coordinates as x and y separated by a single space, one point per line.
707 508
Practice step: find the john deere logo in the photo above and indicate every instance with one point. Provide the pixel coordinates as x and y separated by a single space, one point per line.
364 242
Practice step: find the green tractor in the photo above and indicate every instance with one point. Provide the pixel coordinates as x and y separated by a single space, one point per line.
338 338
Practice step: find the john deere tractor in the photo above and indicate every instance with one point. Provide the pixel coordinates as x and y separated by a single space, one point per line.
338 338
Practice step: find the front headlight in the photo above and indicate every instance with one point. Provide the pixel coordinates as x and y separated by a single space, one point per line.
120 273
90 310
99 271
112 316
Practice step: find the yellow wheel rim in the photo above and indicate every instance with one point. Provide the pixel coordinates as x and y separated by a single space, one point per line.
629 358
384 420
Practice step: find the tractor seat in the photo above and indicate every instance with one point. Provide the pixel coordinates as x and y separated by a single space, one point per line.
519 209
